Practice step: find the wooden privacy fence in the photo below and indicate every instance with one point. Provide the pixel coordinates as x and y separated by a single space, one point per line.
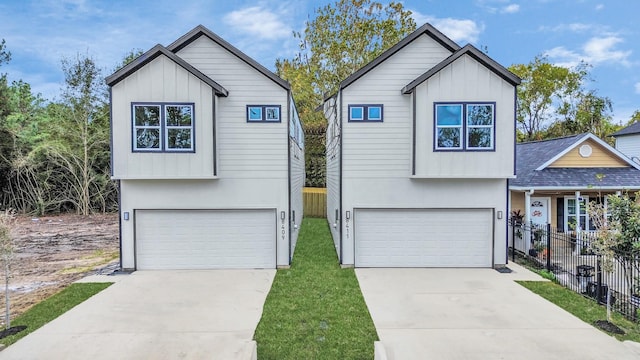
315 202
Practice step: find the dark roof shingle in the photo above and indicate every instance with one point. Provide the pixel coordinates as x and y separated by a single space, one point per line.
629 130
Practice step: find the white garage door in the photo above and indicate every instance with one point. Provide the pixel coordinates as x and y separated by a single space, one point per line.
423 237
205 239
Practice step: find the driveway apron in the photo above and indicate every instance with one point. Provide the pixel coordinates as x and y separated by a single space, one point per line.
476 314
208 314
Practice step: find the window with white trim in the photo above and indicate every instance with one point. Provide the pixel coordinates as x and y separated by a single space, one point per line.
586 223
162 127
366 112
464 126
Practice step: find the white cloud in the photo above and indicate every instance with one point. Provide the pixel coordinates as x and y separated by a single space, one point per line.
599 7
459 30
510 9
637 87
258 22
596 51
573 27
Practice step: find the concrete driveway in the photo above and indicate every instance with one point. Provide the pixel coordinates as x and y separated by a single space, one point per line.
476 314
157 315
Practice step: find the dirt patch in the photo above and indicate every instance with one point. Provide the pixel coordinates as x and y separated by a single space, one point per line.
54 251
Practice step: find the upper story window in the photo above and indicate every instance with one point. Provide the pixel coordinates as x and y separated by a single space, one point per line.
163 127
371 112
464 126
263 113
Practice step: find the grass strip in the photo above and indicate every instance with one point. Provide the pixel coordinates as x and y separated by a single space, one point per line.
52 307
315 309
585 309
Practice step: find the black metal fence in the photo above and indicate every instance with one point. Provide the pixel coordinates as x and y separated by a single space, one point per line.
572 258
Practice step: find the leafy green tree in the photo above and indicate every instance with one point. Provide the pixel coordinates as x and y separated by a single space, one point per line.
547 93
341 38
79 138
592 114
618 240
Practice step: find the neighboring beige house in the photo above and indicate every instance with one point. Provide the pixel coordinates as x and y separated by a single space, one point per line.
628 141
208 151
557 178
420 144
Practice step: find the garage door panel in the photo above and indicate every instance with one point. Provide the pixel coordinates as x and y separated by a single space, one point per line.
205 239
423 237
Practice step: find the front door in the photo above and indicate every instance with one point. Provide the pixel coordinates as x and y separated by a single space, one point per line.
540 210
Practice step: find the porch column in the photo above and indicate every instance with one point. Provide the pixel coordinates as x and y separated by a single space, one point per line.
577 210
527 220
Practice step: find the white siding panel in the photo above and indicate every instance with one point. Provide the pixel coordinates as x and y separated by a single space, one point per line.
392 137
629 145
162 81
465 80
333 171
246 150
205 239
423 237
297 179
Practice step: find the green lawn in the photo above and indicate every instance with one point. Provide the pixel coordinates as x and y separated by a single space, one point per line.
586 309
53 307
315 310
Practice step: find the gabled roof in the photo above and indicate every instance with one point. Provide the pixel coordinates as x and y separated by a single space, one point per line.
424 29
629 130
150 55
200 30
533 159
472 51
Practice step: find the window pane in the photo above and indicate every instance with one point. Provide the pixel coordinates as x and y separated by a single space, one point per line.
254 113
571 206
374 113
179 138
479 137
147 115
178 115
449 138
479 115
449 115
356 113
273 113
147 138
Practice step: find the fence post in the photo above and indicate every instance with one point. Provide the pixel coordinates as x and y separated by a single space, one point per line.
548 247
513 239
599 280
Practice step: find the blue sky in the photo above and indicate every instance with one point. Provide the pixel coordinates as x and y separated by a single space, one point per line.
604 33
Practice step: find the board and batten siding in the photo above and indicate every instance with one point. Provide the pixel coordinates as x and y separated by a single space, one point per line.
465 80
333 170
245 150
600 157
383 149
297 178
162 80
629 145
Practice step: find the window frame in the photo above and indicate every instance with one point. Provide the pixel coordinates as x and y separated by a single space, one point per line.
365 112
464 126
264 111
163 128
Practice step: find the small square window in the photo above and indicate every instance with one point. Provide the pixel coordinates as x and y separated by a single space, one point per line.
263 113
356 113
374 113
254 113
272 113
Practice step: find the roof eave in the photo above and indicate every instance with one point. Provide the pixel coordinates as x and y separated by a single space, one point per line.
152 54
472 51
200 30
424 29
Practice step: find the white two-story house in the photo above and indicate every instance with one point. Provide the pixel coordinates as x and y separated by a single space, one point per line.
420 144
208 151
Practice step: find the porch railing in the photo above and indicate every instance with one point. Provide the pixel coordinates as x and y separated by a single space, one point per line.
572 258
